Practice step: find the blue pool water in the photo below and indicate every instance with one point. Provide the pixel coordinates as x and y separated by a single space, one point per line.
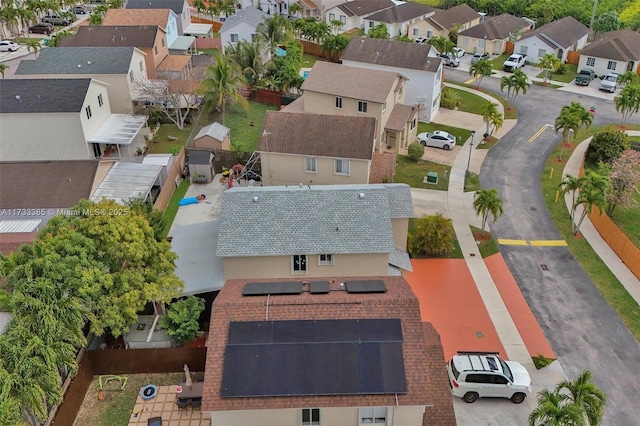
305 74
281 52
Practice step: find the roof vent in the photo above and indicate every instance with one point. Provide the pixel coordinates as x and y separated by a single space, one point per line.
17 97
255 199
88 62
79 66
300 185
361 195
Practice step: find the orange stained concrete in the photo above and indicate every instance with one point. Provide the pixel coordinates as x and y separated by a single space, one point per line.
450 301
518 308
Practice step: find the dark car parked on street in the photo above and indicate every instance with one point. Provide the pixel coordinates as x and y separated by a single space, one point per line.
41 28
80 10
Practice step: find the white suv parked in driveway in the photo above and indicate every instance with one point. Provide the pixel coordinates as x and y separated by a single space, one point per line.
474 375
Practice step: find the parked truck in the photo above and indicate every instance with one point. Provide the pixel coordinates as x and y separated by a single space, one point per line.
609 82
585 76
514 62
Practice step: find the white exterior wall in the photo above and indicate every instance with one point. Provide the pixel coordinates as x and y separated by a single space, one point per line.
601 65
243 29
534 44
351 22
99 114
184 20
333 416
421 84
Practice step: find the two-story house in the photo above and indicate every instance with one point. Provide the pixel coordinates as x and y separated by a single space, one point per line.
398 18
315 230
557 37
341 151
343 90
442 22
353 13
315 8
274 7
180 8
491 35
412 60
119 67
241 26
615 51
74 121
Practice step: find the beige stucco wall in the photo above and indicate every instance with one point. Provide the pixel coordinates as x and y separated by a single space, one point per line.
344 265
493 47
163 49
424 27
285 169
400 227
99 114
332 416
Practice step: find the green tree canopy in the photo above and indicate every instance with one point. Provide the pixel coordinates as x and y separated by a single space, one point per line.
432 236
415 151
379 31
181 319
607 145
487 202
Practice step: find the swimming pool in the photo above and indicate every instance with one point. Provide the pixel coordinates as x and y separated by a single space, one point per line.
305 74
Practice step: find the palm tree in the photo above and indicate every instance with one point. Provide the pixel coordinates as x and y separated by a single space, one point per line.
571 184
249 57
33 44
54 40
480 69
440 43
628 102
273 32
552 410
489 112
592 194
432 236
26 16
550 63
295 8
571 119
514 83
222 83
3 69
487 201
584 394
629 77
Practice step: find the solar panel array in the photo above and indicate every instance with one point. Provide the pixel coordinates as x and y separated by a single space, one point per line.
366 286
262 289
306 357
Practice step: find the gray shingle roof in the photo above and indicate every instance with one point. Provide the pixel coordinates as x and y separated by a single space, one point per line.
42 96
364 7
112 36
350 82
447 19
214 130
318 135
561 33
391 53
176 5
401 13
334 219
200 157
496 28
79 60
621 45
250 15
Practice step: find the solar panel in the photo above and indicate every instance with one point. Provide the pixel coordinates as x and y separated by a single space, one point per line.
293 331
262 289
380 330
337 331
250 332
319 287
366 286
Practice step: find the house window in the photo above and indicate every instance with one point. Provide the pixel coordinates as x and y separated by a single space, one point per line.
591 62
465 41
413 124
310 164
162 42
155 49
253 37
541 52
371 23
362 107
429 34
416 31
436 102
384 106
141 66
338 102
100 102
612 65
131 76
310 416
325 259
342 167
343 19
523 50
376 415
299 265
332 17
88 111
234 38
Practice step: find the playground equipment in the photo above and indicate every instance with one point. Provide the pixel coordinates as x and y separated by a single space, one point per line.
103 380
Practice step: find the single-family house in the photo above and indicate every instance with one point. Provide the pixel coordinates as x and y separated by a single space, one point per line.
341 151
491 35
343 351
119 67
163 18
316 8
357 91
442 22
74 121
557 37
398 18
213 136
274 7
242 25
181 9
412 60
150 39
615 51
353 13
314 230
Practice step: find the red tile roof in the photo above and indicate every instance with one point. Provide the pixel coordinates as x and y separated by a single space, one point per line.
423 356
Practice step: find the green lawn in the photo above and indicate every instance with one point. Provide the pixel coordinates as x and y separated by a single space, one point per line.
608 285
412 173
172 207
628 220
487 246
461 134
468 101
245 125
509 113
350 34
498 61
553 86
473 182
164 145
309 60
567 77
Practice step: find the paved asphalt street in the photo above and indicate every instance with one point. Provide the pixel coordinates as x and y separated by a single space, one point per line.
583 330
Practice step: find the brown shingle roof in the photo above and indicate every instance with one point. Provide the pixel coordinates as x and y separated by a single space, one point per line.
56 184
425 383
350 82
364 7
174 62
496 28
400 116
391 53
621 45
447 19
136 17
401 13
561 33
112 36
318 135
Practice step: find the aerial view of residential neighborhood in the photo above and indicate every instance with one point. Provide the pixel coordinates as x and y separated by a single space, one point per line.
319 212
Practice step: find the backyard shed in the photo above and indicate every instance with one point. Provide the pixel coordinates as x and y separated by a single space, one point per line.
201 166
213 136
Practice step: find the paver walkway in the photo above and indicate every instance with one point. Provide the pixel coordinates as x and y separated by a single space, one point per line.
164 406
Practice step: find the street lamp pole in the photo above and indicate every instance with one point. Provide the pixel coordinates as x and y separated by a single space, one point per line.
473 133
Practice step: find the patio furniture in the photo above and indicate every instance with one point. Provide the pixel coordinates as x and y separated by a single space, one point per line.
154 421
190 392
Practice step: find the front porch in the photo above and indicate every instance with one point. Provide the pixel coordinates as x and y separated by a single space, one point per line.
120 137
400 130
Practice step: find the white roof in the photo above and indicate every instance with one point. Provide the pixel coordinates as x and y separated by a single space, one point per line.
215 130
125 181
182 43
119 129
157 159
198 29
24 225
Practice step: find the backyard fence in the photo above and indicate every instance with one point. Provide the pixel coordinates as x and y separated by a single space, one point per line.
170 184
573 57
200 20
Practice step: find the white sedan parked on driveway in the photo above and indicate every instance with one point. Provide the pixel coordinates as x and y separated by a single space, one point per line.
438 139
8 46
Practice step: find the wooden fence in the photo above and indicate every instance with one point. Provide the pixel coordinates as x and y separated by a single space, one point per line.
265 96
200 20
509 47
573 57
169 186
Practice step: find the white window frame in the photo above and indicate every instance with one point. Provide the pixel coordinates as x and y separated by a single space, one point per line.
100 100
234 36
542 52
141 66
362 107
343 19
131 76
155 49
87 111
332 17
524 49
465 41
412 127
612 65
311 412
429 34
416 31
325 259
342 162
591 62
373 415
310 164
302 261
338 102
384 106
254 36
